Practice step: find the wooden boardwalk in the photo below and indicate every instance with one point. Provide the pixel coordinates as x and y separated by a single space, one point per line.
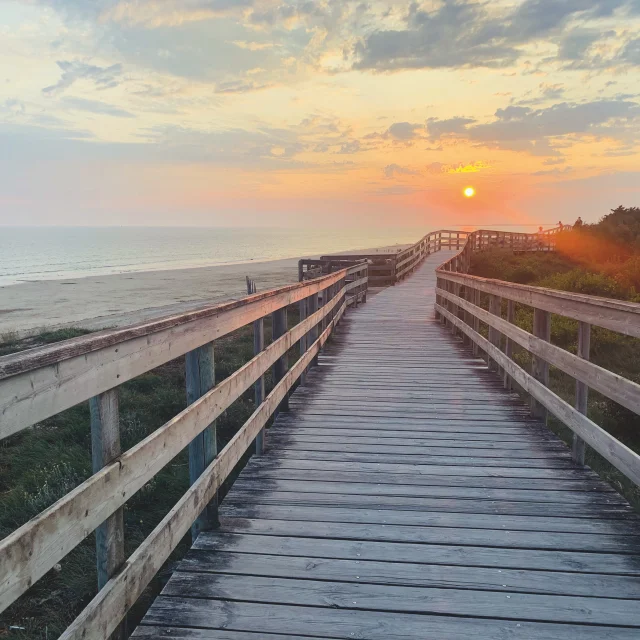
406 494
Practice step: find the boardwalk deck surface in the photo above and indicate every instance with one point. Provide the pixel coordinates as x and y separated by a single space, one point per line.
407 495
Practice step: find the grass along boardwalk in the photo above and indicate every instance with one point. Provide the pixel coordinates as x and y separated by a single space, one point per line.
407 494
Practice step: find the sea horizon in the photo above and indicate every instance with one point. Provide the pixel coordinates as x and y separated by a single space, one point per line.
48 252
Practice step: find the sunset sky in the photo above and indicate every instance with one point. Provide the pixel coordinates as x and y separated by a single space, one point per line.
317 113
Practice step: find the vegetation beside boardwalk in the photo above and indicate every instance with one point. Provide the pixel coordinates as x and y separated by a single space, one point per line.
41 464
602 259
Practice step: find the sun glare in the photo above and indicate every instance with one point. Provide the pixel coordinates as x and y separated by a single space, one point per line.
469 192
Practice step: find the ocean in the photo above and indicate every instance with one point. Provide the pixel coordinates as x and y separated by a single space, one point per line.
51 253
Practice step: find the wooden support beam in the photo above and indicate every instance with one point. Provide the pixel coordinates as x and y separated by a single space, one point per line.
258 346
495 307
475 299
105 448
279 328
539 367
200 377
508 348
582 390
303 310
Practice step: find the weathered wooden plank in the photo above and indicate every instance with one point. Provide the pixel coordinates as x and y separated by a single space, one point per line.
359 484
236 540
530 453
281 436
361 571
440 484
581 529
353 498
332 622
431 468
459 460
364 595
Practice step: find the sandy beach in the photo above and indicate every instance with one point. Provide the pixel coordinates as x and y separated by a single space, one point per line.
118 300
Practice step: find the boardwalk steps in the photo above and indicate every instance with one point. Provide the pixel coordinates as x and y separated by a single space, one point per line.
407 494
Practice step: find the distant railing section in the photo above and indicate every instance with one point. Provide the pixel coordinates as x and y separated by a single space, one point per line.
458 304
541 241
42 382
386 267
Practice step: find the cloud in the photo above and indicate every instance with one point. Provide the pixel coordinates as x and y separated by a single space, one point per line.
458 33
404 131
472 167
96 106
547 92
392 170
524 129
153 14
461 167
554 172
465 33
575 44
101 77
440 128
241 86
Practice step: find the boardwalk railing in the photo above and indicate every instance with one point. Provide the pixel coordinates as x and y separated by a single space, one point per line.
458 303
541 241
388 267
42 382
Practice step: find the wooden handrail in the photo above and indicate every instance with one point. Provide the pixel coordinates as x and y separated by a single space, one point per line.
42 382
457 294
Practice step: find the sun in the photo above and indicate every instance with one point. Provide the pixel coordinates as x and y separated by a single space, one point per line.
469 192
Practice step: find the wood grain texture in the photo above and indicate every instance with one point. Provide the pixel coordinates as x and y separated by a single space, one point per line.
407 494
32 550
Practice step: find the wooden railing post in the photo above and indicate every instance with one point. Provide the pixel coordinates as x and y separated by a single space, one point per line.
495 307
200 378
303 306
540 368
582 390
258 346
476 323
278 329
468 294
105 448
508 348
454 308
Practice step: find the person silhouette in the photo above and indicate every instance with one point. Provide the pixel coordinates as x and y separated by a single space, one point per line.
577 223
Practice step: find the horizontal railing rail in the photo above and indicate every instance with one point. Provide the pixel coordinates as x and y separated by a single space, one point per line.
458 304
387 267
42 382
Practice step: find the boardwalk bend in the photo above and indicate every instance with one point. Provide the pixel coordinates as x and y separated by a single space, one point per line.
405 490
